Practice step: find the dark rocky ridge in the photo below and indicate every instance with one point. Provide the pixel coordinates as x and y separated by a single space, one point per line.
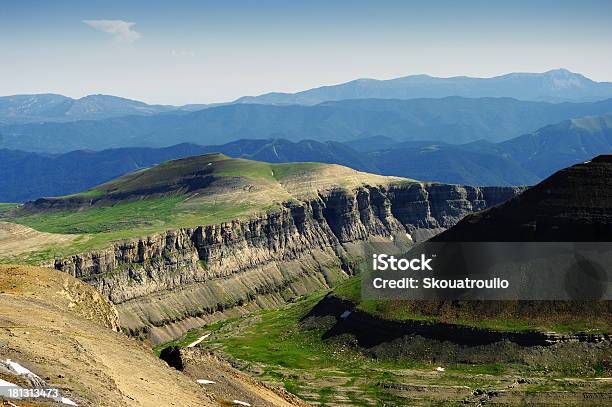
574 204
449 343
168 283
371 331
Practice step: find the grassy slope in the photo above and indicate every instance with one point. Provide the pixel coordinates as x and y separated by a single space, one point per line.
5 207
164 197
273 341
275 347
98 226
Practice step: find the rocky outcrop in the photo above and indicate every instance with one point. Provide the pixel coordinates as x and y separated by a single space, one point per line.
342 321
370 330
167 283
572 205
226 382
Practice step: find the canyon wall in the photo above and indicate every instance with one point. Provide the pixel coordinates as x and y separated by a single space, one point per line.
165 284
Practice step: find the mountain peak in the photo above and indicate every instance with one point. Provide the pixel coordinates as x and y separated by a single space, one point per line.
104 96
215 174
561 71
565 74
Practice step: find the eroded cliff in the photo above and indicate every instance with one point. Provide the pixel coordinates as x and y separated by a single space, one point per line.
168 283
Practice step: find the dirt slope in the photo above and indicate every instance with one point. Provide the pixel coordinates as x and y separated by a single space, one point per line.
64 331
18 239
61 330
230 384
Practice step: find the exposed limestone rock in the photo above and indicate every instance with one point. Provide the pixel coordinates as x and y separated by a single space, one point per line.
168 283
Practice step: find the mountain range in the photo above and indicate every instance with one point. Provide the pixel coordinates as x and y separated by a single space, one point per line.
171 248
452 120
524 160
504 130
552 86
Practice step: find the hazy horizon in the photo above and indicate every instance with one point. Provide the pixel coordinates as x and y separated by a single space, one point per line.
274 91
205 52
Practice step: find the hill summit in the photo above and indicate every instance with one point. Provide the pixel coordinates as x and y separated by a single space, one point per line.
185 193
200 177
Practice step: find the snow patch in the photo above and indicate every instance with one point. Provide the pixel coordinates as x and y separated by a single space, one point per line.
4 383
18 369
69 402
200 339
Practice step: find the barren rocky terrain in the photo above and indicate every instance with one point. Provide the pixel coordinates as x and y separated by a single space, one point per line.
66 333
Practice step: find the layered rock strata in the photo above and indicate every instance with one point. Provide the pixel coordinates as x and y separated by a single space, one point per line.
167 283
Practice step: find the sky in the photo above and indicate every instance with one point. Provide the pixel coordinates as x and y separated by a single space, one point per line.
179 52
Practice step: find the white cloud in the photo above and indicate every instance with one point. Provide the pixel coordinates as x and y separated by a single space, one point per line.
119 29
183 53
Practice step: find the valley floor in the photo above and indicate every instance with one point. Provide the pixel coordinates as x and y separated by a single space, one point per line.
282 348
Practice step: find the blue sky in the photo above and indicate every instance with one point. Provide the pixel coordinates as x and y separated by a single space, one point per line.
179 52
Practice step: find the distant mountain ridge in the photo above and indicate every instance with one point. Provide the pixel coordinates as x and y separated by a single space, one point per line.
557 85
561 145
452 120
524 160
64 174
49 107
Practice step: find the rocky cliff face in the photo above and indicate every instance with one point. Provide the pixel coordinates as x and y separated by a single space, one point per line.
168 283
574 204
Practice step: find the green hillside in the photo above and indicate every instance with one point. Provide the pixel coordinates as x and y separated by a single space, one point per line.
189 192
